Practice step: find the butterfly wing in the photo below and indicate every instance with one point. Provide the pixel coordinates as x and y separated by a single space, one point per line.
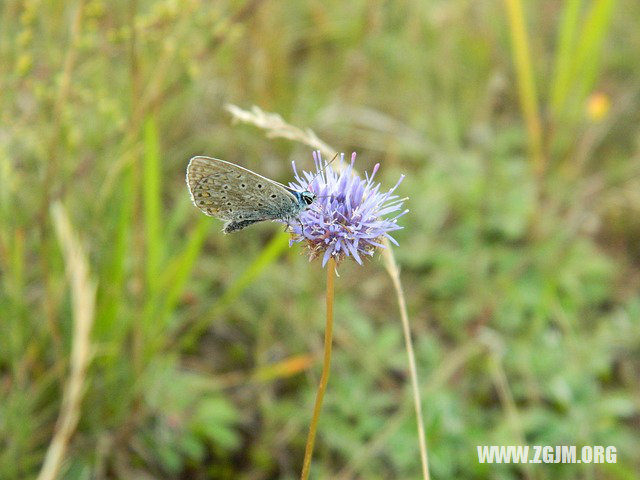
230 192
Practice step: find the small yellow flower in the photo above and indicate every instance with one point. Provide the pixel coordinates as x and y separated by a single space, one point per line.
598 106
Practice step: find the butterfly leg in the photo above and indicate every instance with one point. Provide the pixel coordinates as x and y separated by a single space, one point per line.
233 226
289 229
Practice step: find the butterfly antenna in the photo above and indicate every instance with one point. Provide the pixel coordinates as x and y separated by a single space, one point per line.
321 170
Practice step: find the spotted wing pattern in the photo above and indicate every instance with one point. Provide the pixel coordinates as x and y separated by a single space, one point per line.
229 192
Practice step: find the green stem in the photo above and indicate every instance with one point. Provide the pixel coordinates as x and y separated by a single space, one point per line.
326 365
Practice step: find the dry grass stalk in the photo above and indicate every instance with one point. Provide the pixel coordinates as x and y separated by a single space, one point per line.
276 127
83 294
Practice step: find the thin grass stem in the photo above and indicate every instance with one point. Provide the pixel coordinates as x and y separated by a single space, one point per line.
392 269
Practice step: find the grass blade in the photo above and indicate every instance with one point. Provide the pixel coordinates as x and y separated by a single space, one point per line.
579 58
526 81
590 44
564 57
152 204
111 292
180 268
271 252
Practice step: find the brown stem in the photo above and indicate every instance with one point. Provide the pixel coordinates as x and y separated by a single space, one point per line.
326 365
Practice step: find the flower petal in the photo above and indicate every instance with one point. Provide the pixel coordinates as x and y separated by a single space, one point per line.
347 217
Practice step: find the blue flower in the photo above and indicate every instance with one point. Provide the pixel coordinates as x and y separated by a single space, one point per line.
347 219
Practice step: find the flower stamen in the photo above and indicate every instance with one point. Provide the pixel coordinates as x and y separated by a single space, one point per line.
347 217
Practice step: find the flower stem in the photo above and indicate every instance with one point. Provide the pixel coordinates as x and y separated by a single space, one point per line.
326 365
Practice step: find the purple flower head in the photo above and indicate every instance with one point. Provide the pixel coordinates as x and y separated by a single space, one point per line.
347 217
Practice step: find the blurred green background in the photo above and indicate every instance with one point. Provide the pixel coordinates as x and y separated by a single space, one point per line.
517 125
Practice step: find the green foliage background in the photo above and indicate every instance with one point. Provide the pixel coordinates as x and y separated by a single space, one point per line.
519 256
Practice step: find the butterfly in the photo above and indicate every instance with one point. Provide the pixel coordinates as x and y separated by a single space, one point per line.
241 197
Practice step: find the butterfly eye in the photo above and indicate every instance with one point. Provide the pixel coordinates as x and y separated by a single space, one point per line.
308 198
